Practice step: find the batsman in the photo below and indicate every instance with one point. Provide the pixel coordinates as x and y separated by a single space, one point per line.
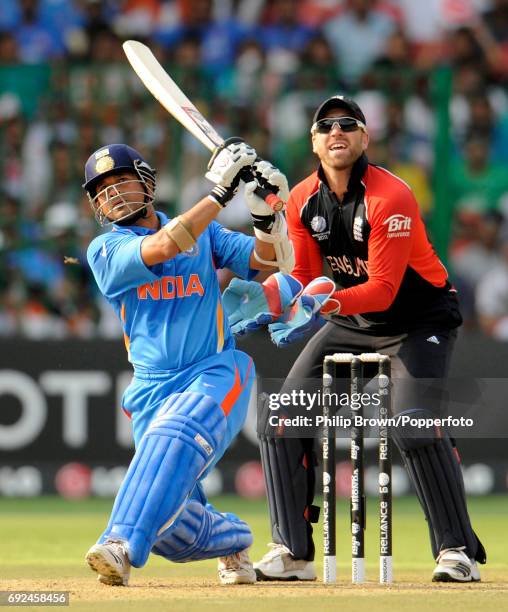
190 388
390 294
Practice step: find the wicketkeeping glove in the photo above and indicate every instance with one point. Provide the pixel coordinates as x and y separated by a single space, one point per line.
304 316
250 305
225 168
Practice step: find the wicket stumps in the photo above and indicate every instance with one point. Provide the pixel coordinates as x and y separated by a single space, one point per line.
356 364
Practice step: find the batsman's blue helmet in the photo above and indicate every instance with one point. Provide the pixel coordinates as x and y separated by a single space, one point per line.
112 159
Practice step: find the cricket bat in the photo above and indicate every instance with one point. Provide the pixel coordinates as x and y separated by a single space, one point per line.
166 91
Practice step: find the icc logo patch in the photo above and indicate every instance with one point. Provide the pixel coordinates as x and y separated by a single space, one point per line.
318 224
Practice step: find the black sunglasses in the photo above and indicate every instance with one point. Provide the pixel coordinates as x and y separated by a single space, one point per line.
346 124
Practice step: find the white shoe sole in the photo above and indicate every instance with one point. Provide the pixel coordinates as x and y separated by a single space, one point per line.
446 577
108 574
238 579
289 576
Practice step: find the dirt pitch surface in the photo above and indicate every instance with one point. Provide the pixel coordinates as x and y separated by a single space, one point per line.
198 594
43 543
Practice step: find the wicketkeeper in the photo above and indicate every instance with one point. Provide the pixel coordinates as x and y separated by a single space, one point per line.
189 393
390 294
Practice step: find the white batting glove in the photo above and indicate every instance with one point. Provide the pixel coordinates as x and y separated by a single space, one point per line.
225 167
256 205
272 178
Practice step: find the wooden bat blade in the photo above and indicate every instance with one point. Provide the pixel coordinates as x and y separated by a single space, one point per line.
166 91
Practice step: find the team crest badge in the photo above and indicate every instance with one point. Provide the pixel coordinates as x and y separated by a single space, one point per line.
104 164
358 229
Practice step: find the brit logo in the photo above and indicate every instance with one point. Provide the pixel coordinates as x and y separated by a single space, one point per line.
399 226
318 224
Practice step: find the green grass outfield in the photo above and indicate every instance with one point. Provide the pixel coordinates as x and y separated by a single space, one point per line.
43 542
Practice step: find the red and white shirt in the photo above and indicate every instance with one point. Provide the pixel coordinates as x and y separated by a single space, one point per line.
375 243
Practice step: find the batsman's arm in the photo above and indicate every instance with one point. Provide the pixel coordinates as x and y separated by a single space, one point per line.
273 249
180 234
169 241
265 252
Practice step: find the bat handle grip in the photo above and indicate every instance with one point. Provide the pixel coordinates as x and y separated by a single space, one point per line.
270 198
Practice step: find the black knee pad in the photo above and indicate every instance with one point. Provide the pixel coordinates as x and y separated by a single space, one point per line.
433 465
289 466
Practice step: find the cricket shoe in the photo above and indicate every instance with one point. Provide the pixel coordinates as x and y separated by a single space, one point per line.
453 565
279 564
236 569
111 562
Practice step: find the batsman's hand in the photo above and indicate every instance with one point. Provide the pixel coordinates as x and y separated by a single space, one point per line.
250 305
304 316
257 206
225 168
270 177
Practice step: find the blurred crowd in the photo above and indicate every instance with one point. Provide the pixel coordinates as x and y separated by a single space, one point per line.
257 69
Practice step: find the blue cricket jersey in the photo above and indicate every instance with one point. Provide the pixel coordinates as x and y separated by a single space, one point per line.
171 313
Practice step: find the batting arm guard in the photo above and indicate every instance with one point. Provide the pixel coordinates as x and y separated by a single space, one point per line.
284 250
